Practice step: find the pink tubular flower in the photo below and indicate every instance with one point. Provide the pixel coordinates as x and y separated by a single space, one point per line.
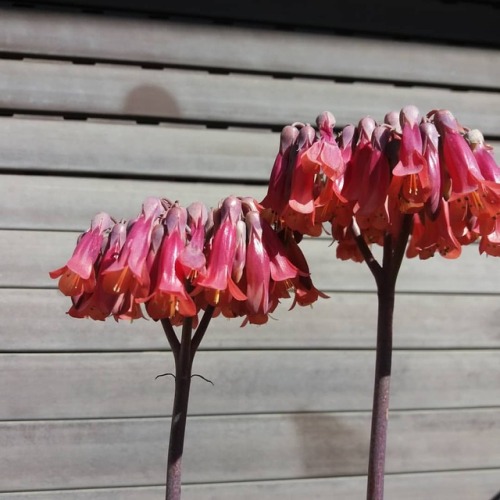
222 253
457 157
129 273
192 257
278 191
324 154
78 275
169 295
99 304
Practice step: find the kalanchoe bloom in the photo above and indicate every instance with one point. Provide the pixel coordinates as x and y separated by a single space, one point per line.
98 304
483 154
169 295
457 157
431 170
324 154
129 273
176 262
78 275
222 252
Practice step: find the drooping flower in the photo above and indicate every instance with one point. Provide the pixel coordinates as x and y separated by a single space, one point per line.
78 275
129 272
169 296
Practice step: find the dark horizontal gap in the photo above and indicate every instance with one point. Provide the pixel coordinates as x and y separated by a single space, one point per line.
264 348
289 19
82 116
336 292
215 70
267 414
133 176
292 480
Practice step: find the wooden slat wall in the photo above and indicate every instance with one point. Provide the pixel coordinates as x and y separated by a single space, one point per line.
99 112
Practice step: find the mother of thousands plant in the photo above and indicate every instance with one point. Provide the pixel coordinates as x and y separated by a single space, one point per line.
428 180
179 262
425 180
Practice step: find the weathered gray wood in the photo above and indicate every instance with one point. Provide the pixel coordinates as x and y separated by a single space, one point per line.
28 256
344 321
73 202
162 42
131 452
126 150
196 95
38 202
473 485
117 149
42 386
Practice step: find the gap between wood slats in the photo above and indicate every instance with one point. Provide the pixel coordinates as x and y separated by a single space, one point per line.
462 22
237 99
345 321
42 386
472 485
98 38
28 256
111 453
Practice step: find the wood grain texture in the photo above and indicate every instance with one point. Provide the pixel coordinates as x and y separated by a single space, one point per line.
127 150
345 321
139 41
473 485
61 203
69 147
28 256
244 99
57 386
131 452
434 19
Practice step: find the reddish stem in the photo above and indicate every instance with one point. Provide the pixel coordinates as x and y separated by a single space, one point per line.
385 277
184 352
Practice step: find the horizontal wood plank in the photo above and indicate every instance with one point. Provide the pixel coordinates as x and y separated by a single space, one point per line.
92 37
42 386
30 255
473 485
131 452
128 150
345 321
240 99
73 202
435 19
119 150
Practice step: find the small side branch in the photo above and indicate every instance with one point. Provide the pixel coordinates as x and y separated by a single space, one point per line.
175 345
202 328
371 261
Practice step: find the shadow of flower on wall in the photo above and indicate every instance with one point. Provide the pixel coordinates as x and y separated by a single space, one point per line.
151 101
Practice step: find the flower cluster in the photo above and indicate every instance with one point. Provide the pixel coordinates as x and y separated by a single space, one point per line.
177 261
368 178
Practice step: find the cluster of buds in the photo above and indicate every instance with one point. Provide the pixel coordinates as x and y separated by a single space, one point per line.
176 261
367 179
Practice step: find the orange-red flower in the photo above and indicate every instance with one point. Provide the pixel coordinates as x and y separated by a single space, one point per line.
78 275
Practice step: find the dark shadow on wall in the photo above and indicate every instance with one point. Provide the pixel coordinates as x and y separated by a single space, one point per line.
151 101
331 445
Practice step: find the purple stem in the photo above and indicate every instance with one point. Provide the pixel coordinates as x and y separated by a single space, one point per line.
184 352
385 277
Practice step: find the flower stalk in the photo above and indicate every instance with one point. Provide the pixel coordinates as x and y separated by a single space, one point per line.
385 277
183 352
